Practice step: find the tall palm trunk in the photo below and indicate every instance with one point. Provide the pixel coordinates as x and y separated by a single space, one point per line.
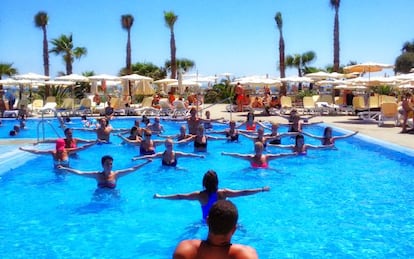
128 56
173 56
69 68
336 41
46 58
127 21
282 66
45 52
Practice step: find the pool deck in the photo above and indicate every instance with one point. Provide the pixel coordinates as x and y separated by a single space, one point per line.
387 133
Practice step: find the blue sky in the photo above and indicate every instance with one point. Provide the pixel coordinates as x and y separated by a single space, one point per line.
236 36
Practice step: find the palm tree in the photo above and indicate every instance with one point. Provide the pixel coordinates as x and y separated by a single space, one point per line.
335 5
184 64
127 21
170 19
64 45
282 67
408 47
300 61
8 70
405 62
279 23
150 70
41 20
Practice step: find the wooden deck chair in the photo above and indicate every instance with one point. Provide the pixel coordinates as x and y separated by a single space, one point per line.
49 107
180 109
389 111
343 107
373 102
51 99
315 98
166 108
286 104
84 107
95 108
308 105
358 103
387 99
326 98
119 107
145 108
66 107
36 105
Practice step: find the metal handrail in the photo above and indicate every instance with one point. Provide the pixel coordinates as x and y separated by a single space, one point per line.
230 99
42 123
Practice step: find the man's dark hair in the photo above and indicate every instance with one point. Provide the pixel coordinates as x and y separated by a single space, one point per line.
222 217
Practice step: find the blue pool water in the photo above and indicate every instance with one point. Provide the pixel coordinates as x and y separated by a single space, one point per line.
353 202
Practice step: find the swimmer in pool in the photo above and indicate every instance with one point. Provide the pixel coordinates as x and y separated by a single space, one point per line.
250 123
200 139
103 130
60 154
258 159
300 148
106 179
211 193
169 156
232 134
222 223
181 137
327 138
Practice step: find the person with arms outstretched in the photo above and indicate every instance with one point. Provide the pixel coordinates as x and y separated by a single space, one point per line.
211 193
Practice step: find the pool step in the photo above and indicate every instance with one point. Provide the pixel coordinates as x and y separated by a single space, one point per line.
13 158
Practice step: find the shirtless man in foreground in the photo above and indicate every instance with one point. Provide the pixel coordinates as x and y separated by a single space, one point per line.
222 221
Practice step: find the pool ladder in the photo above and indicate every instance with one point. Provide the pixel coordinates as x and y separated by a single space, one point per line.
229 99
41 129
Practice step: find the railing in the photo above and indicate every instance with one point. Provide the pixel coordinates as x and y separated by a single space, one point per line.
41 129
229 99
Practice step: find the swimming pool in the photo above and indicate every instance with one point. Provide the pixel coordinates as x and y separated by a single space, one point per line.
354 202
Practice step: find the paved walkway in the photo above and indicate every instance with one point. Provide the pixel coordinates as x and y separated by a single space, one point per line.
388 132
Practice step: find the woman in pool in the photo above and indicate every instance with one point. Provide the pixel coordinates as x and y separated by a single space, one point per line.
327 138
169 156
106 179
156 127
70 141
211 193
181 137
261 137
300 147
250 123
232 134
296 122
103 130
200 140
258 159
276 136
208 121
146 145
60 154
133 135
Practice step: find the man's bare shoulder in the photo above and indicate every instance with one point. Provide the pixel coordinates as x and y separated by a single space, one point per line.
242 252
187 249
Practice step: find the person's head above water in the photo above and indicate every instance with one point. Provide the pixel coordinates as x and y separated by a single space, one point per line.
210 181
222 218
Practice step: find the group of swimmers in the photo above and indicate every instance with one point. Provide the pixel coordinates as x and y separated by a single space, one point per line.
142 137
211 195
16 128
